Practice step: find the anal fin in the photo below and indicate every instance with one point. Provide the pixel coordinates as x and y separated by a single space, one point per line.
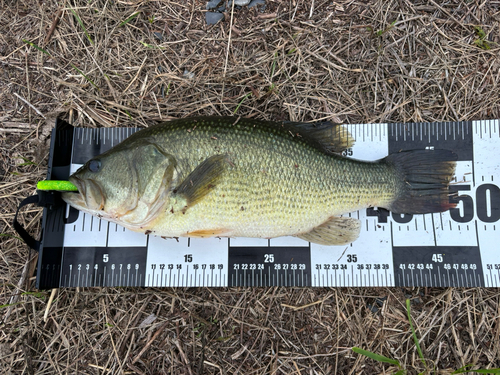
202 233
335 231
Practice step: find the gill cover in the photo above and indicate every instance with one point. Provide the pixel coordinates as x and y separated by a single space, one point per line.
127 185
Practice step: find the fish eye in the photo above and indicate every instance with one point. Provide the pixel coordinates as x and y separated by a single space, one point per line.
94 165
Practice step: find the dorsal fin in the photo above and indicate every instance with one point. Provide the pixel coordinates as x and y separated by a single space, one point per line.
330 137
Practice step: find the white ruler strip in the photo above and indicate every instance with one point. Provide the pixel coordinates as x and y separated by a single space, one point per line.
487 174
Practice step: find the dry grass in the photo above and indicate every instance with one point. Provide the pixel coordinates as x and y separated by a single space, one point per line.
390 61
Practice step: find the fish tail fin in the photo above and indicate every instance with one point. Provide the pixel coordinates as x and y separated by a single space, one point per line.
425 176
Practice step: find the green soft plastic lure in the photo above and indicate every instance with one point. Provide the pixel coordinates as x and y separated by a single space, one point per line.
56 185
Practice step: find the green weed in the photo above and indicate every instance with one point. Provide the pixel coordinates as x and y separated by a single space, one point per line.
376 357
26 162
10 235
481 41
241 102
150 45
464 369
413 333
382 31
9 304
129 19
201 326
39 295
402 371
35 46
274 64
79 20
83 74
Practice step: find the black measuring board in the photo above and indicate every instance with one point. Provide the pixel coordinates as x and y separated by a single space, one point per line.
457 266
457 248
454 136
103 266
94 141
52 236
260 266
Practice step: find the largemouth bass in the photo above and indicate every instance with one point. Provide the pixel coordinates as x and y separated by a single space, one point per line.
228 177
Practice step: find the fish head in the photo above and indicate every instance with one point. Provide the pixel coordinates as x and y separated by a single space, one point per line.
127 185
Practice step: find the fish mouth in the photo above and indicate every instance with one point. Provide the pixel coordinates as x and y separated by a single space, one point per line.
89 197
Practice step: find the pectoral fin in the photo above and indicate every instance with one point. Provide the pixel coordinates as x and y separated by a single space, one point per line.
200 181
336 231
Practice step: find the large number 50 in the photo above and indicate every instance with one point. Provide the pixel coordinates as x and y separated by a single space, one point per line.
487 193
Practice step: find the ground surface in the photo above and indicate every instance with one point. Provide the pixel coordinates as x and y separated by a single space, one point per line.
390 61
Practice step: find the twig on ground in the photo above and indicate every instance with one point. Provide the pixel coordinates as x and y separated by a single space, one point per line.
49 303
31 105
148 344
53 27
